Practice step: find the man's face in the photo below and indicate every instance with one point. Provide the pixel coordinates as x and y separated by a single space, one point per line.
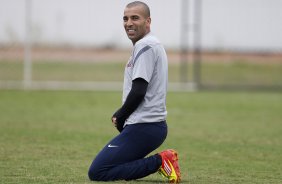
135 24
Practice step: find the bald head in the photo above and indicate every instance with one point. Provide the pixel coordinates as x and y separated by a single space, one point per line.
144 6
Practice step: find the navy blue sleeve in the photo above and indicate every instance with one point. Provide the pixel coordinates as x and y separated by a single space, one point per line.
133 100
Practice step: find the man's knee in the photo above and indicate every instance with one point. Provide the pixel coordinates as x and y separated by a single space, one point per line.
93 175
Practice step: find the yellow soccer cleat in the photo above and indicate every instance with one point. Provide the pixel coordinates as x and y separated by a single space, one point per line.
170 167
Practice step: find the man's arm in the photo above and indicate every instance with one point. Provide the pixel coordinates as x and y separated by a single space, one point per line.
134 98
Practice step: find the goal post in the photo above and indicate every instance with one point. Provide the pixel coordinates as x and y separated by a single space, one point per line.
190 41
27 73
197 43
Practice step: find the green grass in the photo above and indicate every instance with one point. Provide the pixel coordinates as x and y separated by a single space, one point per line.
52 136
237 73
241 72
11 70
63 71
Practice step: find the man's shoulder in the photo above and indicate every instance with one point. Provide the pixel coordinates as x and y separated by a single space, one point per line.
149 40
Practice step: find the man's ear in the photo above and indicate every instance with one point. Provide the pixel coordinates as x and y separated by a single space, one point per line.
148 20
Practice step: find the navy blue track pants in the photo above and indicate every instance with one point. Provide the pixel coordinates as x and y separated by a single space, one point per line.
123 158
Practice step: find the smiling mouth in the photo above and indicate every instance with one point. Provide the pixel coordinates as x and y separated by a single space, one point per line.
130 31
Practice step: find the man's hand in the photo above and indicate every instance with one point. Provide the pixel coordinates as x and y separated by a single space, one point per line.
117 123
114 121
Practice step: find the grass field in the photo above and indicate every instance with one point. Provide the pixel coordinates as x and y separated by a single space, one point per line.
235 73
52 136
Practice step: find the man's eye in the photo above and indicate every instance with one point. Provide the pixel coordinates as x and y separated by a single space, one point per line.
125 19
135 17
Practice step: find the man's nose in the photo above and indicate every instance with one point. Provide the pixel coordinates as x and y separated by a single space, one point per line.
129 22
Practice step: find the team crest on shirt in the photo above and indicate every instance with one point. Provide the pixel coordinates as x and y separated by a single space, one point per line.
130 63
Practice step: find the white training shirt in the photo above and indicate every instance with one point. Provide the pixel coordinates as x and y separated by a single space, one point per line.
148 61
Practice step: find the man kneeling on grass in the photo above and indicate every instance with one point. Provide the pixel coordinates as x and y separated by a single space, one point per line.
141 119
